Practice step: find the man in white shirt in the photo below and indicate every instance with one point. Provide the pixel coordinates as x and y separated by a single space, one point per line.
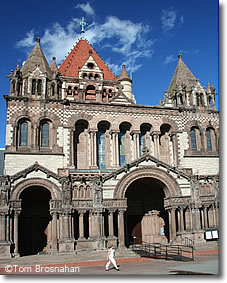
110 258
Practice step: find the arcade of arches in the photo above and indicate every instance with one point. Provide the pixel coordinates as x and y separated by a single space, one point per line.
40 226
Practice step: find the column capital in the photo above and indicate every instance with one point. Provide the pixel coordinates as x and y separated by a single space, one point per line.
155 133
114 131
93 131
111 210
82 211
135 132
121 211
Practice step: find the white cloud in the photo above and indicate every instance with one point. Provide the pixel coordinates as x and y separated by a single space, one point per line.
86 8
168 19
28 41
181 21
169 59
122 37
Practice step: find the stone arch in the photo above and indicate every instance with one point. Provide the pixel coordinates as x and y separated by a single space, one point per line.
51 187
191 124
173 124
171 188
55 120
79 116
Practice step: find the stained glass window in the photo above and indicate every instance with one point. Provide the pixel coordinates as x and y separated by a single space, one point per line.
122 152
23 134
142 143
193 139
209 143
45 135
101 150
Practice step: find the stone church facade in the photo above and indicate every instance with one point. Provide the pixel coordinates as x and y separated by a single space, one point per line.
85 166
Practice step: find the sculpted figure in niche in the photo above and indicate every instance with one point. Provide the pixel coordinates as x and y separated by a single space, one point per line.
66 190
97 192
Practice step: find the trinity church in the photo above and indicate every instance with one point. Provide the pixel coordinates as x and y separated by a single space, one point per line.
85 166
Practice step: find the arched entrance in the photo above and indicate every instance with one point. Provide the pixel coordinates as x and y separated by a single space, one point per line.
33 220
146 217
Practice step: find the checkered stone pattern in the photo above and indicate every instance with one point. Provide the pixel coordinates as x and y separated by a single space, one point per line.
66 114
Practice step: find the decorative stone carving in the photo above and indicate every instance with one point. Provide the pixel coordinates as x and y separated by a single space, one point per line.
97 193
66 191
4 191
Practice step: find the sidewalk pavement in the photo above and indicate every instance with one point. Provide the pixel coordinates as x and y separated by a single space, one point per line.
93 263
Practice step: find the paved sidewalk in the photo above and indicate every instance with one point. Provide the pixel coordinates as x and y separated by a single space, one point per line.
92 263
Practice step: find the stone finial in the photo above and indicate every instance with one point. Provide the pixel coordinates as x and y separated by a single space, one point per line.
37 39
179 56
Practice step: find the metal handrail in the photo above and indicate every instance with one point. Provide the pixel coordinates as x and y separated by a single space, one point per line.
158 250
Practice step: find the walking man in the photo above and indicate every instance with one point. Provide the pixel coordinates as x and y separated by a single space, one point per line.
111 259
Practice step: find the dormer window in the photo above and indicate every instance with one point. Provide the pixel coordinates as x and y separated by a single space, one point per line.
199 99
90 77
84 76
90 66
96 77
52 89
39 87
33 86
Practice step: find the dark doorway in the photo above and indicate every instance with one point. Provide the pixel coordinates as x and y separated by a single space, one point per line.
144 195
33 220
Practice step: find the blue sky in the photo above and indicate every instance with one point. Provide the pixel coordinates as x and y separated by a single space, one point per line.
145 35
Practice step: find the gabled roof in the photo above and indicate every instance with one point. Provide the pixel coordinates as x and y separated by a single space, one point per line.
77 58
35 167
146 157
122 99
182 77
36 59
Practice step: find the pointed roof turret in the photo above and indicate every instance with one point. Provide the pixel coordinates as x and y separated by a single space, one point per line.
182 77
79 56
53 65
36 59
124 76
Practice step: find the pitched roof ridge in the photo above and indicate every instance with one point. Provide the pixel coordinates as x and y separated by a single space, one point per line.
182 76
77 58
38 55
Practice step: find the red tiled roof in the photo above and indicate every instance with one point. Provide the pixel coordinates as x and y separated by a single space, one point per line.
78 56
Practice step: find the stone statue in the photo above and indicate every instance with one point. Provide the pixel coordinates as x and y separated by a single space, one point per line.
97 193
66 191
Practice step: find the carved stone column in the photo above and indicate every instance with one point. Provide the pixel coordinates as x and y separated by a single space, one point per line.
81 224
175 149
156 144
205 217
2 226
110 222
97 223
93 149
16 227
172 224
54 231
181 219
66 242
121 228
136 144
107 149
115 145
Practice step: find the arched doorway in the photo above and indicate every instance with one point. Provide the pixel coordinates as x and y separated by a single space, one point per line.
33 220
146 217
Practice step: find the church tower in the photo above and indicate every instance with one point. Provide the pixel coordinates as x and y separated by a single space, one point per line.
126 82
185 90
